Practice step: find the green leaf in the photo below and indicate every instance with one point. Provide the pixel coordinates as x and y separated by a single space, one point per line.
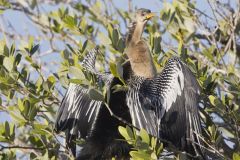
90 29
34 49
144 135
76 72
117 70
140 155
38 131
8 63
20 105
18 118
39 126
124 133
154 156
226 132
83 24
212 100
33 155
57 27
115 38
30 43
51 79
189 24
153 142
130 132
104 39
35 65
191 65
95 94
33 113
17 59
76 81
11 94
208 52
120 72
110 30
70 48
118 87
7 129
5 3
33 4
113 69
69 22
121 45
215 101
142 145
213 132
2 45
160 149
12 132
27 106
6 51
84 46
181 48
29 59
12 49
157 42
236 156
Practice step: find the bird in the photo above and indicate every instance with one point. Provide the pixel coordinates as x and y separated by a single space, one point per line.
79 116
165 104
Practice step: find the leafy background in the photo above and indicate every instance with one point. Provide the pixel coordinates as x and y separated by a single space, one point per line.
42 42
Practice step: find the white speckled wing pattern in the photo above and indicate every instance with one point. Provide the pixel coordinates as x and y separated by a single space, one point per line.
150 99
77 106
88 64
77 113
89 60
169 84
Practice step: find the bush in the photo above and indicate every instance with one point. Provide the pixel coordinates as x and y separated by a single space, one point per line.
34 68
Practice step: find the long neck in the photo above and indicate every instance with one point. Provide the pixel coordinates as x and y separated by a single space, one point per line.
137 33
139 54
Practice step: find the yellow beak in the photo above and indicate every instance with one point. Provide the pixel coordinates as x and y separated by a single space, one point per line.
149 16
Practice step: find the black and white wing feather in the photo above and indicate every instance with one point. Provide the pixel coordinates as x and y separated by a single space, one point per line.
78 112
88 64
166 106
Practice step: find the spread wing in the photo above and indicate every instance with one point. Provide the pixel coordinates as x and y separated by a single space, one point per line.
77 113
166 106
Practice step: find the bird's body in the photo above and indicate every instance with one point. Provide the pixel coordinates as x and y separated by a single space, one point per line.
104 142
164 104
166 111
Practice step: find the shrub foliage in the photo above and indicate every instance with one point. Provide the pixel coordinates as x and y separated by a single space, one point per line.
37 63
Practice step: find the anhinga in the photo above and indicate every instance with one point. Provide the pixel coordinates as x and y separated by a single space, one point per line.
164 104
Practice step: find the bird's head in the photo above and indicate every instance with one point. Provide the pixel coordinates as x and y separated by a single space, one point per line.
143 15
136 28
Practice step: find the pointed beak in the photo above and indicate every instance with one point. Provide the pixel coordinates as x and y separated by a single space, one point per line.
149 16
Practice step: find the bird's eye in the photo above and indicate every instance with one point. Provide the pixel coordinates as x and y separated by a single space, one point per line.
143 14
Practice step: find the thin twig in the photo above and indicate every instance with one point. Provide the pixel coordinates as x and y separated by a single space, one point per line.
2 147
